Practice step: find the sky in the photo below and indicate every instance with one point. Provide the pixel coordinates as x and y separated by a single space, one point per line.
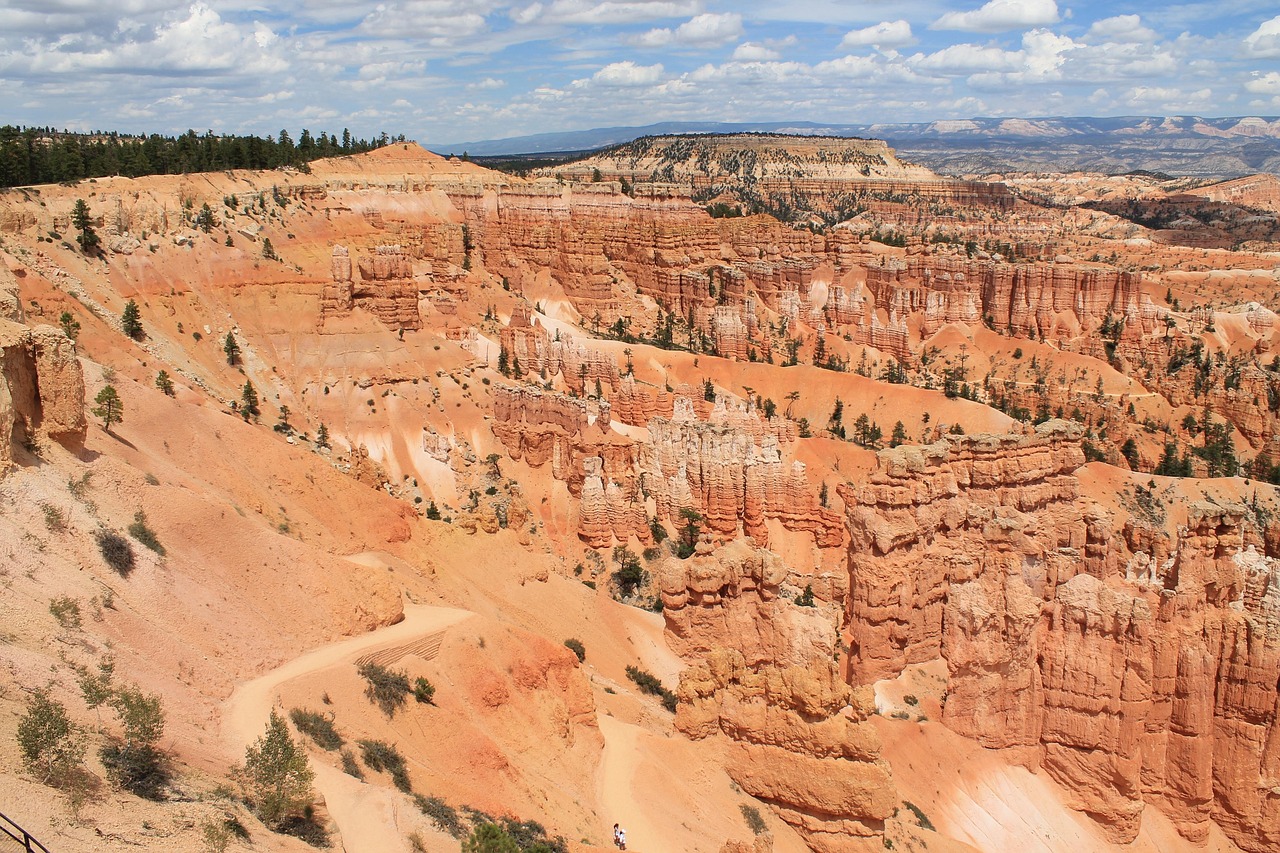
451 70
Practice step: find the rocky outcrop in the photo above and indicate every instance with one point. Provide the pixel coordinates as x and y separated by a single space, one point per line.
799 740
384 287
41 390
1135 667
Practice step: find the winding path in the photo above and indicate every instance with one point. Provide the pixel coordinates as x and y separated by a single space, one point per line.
365 814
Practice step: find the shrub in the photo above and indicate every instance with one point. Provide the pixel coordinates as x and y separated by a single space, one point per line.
753 818
443 815
577 648
920 816
386 688
55 519
911 699
649 683
144 534
424 691
116 550
277 776
318 727
67 611
134 762
52 746
350 766
805 599
379 756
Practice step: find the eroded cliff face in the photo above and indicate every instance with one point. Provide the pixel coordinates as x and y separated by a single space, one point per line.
762 676
41 390
1133 669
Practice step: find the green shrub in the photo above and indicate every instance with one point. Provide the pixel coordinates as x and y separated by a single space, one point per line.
144 534
318 727
649 683
443 815
386 688
134 762
52 746
116 550
424 691
67 611
350 766
381 756
753 818
577 648
920 816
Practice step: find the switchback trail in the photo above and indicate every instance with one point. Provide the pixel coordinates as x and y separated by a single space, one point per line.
365 814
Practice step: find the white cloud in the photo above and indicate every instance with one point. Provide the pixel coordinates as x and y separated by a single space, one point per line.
1121 28
487 83
427 19
1001 15
1264 42
883 34
705 30
969 58
750 51
608 12
201 42
1264 84
628 74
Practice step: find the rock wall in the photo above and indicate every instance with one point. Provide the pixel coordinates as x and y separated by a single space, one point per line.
384 287
1134 668
41 390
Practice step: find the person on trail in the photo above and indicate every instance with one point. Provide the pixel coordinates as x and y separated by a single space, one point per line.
622 839
616 840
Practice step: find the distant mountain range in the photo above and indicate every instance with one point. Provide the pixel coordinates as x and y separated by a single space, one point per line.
1178 145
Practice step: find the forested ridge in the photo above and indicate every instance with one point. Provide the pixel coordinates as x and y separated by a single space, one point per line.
35 155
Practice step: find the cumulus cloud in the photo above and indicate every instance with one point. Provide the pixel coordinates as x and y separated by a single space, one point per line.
627 74
884 34
608 12
1264 42
705 30
1001 15
750 51
199 43
1264 84
1121 28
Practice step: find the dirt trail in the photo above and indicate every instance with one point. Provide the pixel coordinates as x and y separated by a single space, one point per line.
619 800
365 814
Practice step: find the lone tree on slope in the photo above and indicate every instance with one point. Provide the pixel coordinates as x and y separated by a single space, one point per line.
83 222
232 349
110 408
131 320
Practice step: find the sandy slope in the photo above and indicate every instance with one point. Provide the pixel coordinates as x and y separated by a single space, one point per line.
365 814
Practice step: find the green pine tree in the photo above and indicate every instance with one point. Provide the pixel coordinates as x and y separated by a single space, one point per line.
131 320
110 407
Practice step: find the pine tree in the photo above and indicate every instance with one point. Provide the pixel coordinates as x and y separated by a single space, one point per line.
83 222
899 435
322 436
131 320
232 349
249 402
110 408
70 326
277 776
164 383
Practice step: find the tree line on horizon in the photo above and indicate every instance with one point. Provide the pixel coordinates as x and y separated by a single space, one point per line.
41 155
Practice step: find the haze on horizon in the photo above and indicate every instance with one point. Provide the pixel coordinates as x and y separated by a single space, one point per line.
448 70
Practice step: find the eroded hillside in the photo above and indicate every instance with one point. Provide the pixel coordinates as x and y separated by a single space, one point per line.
912 493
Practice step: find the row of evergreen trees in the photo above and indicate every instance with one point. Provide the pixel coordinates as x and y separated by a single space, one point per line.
35 155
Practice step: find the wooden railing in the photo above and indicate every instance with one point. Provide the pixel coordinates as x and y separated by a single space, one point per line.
20 835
